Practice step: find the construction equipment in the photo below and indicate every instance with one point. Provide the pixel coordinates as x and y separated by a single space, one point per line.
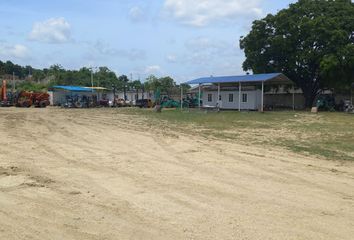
76 101
325 103
120 102
144 103
104 101
28 99
6 99
23 98
348 106
169 103
3 91
3 94
192 101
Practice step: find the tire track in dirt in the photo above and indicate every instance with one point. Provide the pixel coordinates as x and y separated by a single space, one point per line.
107 175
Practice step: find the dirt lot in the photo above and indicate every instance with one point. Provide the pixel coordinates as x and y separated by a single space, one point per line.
100 174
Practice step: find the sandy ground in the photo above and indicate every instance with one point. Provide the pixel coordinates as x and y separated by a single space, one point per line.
97 174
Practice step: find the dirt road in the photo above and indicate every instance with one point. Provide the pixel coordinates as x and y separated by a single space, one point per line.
99 174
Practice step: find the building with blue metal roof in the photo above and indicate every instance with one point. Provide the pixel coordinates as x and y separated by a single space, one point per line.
245 92
61 95
256 78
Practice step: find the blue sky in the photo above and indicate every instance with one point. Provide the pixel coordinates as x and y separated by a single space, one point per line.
180 38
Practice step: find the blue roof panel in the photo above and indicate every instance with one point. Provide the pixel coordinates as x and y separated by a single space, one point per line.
234 79
73 88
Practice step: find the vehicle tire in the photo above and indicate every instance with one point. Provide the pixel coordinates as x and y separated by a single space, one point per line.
25 104
42 104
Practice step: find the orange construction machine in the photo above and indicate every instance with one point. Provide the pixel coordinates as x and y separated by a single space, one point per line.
28 99
3 91
4 98
23 98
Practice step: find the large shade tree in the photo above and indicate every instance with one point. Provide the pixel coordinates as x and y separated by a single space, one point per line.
312 42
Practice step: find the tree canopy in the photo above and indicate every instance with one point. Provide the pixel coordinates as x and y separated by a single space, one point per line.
9 68
56 75
312 42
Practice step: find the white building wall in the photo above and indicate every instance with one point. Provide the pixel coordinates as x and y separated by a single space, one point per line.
131 96
253 99
50 97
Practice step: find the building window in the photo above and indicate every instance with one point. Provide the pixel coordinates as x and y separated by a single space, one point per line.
231 97
244 97
210 97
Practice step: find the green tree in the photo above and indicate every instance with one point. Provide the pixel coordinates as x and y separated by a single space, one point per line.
168 85
165 85
38 75
57 71
32 87
123 80
185 87
137 86
311 42
105 77
152 83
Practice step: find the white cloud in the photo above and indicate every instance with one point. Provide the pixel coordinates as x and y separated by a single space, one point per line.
200 13
54 30
205 43
136 14
154 69
171 58
17 51
131 54
204 51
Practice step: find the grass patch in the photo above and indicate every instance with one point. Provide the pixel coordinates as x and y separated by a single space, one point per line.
328 135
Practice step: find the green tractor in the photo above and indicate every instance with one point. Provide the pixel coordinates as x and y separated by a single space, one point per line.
169 103
326 103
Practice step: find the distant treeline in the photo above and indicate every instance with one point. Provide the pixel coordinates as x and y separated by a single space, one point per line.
41 79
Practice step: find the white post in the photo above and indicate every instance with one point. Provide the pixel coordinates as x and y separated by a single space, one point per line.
199 96
293 98
262 101
218 99
239 96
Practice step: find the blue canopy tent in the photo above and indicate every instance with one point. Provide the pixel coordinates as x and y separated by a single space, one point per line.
270 78
62 93
74 88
